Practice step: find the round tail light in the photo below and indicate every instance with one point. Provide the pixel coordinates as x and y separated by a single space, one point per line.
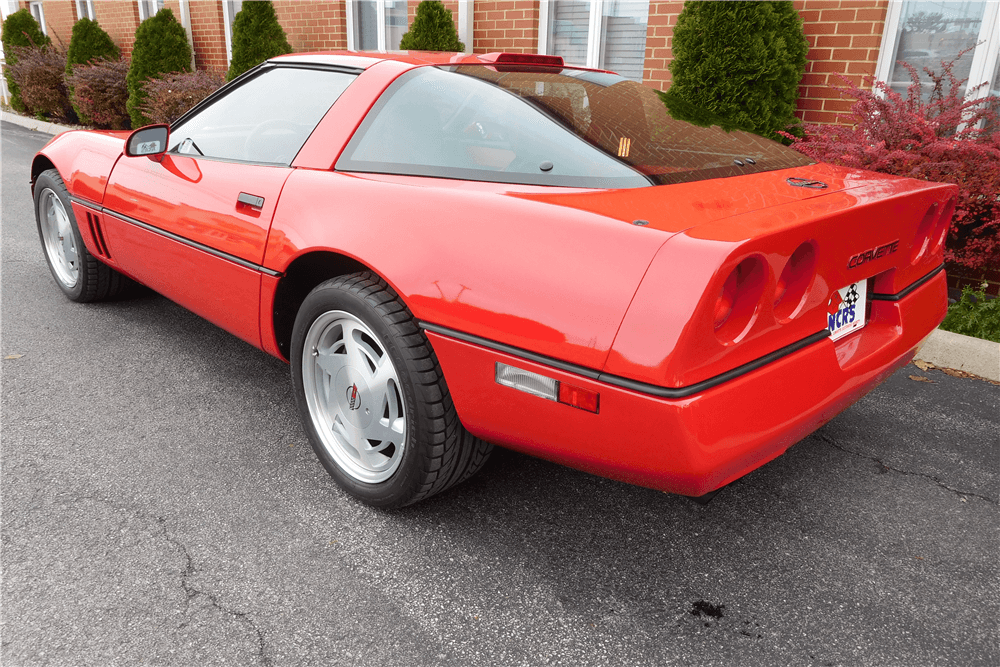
794 282
738 301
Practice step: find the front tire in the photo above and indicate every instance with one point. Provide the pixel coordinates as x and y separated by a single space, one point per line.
372 397
80 276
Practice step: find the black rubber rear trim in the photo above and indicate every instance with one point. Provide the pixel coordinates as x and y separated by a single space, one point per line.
625 383
903 294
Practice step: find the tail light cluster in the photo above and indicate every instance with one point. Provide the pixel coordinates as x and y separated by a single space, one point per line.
742 293
932 230
548 388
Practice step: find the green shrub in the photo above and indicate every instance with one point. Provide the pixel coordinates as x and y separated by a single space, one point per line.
160 47
975 314
171 95
257 36
740 62
88 42
100 93
433 30
20 29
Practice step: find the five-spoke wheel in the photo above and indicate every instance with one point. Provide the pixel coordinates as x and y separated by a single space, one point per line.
80 275
372 397
352 389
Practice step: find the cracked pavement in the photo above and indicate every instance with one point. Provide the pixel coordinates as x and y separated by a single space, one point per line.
161 506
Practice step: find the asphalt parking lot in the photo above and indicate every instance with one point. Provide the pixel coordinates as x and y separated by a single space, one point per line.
161 506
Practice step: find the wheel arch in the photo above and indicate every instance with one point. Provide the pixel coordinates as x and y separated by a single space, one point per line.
38 165
299 278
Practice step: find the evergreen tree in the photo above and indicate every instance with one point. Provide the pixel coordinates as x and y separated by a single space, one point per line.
20 29
88 42
432 30
160 47
257 36
738 64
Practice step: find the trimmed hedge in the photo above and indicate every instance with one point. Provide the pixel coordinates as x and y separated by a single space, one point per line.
160 47
20 29
40 77
169 96
432 30
740 62
100 93
257 36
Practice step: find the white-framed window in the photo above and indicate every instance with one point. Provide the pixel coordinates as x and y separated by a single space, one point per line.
85 9
39 14
607 34
923 33
148 8
376 25
230 8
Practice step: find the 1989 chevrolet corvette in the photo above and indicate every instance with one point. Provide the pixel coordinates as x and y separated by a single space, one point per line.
457 251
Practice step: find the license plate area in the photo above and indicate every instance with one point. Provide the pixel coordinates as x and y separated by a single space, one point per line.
848 309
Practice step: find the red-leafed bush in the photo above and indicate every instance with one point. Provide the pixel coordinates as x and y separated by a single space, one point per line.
39 76
100 93
947 139
169 96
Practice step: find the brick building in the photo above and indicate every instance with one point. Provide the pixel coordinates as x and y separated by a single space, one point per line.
852 38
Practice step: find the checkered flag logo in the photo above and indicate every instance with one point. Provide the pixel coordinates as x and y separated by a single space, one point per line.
852 296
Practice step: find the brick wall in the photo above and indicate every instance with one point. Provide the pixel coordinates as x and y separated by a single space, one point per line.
60 15
844 38
208 35
659 38
313 26
119 18
510 26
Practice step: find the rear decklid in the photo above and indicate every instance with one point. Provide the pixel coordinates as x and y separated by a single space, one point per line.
730 290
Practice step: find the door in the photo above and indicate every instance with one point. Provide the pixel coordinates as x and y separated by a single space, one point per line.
193 225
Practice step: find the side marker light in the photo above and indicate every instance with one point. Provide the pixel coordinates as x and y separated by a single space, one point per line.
547 388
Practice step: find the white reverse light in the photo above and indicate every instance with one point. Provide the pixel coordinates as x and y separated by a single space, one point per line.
526 381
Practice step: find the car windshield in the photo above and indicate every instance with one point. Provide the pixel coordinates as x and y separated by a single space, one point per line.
547 127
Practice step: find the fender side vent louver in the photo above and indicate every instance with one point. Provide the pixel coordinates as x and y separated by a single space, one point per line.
97 234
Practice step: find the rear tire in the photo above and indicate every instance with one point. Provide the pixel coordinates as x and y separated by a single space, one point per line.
82 277
372 397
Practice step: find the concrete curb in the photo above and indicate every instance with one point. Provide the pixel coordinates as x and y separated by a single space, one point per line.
972 355
35 124
942 348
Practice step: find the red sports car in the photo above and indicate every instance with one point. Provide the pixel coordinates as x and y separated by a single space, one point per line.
457 251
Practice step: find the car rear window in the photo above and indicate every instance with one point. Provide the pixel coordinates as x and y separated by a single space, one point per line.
546 127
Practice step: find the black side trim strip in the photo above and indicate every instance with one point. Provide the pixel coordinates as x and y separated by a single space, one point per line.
515 351
86 202
698 387
902 294
625 383
194 244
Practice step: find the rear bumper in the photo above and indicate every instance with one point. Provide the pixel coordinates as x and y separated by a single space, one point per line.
698 443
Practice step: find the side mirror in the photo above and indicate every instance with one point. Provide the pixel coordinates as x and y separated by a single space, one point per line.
150 141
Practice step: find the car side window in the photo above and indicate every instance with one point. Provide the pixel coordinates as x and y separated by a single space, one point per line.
265 119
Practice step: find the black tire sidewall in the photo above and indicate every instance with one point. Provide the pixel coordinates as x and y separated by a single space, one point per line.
404 483
43 182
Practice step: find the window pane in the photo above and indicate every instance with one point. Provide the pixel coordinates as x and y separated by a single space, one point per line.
441 123
266 119
568 30
574 128
930 32
623 37
365 25
395 23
